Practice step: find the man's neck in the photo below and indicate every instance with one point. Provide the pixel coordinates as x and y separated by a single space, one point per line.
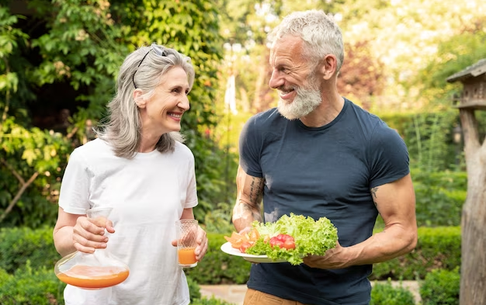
326 112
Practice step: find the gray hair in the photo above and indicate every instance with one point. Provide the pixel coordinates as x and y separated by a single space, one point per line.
321 35
145 68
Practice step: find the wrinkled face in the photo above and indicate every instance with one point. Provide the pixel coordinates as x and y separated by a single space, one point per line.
162 111
293 77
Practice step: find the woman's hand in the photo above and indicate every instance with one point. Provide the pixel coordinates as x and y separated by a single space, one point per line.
202 244
89 234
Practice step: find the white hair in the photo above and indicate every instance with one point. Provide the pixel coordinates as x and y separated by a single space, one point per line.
142 69
321 35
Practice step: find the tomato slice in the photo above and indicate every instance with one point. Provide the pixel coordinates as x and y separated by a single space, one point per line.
276 242
283 241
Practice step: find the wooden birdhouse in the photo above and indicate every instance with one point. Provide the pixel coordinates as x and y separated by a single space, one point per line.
473 223
473 95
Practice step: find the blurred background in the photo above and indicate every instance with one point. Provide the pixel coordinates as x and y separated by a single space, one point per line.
59 60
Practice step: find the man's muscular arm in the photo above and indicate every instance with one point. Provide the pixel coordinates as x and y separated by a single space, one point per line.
248 200
396 203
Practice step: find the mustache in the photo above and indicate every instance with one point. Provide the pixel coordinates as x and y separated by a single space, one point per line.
286 89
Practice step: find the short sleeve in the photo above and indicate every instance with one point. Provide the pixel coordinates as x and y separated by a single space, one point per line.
191 195
73 197
250 149
390 159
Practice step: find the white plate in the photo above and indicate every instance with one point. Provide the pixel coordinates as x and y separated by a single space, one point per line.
251 258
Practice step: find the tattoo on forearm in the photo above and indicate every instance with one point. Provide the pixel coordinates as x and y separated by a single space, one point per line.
373 194
255 197
255 190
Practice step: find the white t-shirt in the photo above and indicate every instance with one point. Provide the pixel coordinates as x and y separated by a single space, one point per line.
148 194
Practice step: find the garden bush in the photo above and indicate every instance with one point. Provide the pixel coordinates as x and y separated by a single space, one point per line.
17 245
41 287
194 289
441 287
439 197
438 247
28 257
28 286
386 294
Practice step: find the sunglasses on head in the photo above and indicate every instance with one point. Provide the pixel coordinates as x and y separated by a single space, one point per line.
157 51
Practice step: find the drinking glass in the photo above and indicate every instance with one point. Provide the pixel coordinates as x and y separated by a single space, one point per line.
186 242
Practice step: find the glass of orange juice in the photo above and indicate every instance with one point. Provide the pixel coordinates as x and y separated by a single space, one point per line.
186 242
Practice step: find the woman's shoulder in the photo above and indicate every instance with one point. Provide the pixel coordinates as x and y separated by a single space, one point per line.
92 146
92 149
183 150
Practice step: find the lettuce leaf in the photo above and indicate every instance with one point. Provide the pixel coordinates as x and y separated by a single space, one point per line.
312 237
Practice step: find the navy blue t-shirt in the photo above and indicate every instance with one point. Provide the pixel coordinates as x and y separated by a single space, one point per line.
321 172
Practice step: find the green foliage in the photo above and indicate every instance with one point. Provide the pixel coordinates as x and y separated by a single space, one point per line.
432 134
40 286
194 289
441 287
438 247
386 294
247 22
429 138
36 155
80 45
19 245
9 39
193 29
215 192
453 55
439 197
436 165
219 220
79 49
29 286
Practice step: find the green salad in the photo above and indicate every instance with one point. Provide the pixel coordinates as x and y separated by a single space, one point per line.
293 237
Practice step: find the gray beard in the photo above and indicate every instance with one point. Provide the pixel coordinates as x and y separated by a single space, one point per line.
304 103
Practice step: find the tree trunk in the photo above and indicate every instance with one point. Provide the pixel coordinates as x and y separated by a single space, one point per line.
473 252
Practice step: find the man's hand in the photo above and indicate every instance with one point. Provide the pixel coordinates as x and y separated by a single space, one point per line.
335 258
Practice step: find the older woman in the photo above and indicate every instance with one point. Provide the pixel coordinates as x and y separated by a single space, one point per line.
139 166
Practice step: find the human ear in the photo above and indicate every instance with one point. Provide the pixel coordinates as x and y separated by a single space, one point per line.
329 66
138 98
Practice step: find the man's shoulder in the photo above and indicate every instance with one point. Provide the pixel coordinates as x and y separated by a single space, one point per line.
366 117
266 117
361 111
